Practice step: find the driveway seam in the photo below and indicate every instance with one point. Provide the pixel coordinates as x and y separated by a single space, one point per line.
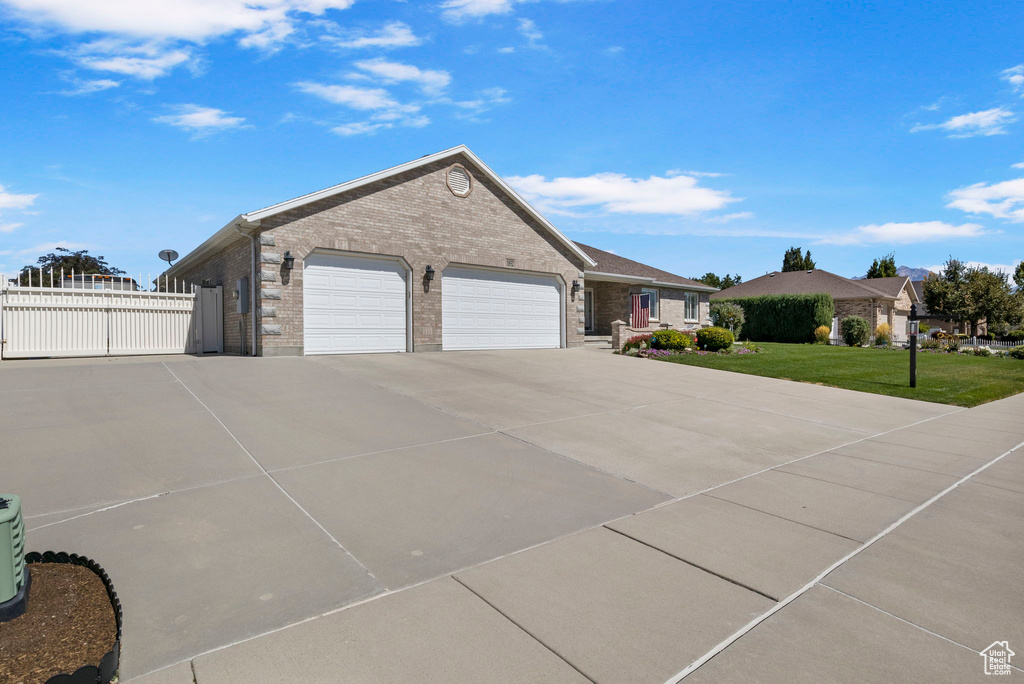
271 478
692 564
979 459
782 517
524 630
728 641
904 620
859 489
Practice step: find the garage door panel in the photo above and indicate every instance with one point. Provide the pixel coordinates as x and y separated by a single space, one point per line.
354 305
485 309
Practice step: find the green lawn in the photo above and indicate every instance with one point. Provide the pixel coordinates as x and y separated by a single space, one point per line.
943 378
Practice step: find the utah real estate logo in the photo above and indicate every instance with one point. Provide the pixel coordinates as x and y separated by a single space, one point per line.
997 658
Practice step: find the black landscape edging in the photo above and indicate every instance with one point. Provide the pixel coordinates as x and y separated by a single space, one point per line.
103 672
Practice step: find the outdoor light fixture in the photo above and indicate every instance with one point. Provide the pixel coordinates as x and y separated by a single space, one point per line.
429 274
289 260
575 285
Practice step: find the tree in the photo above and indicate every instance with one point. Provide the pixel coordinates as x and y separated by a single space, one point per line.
1018 277
971 294
713 280
79 262
730 280
710 279
884 267
793 260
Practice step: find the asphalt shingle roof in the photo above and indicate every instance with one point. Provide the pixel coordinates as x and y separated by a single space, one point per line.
812 282
613 263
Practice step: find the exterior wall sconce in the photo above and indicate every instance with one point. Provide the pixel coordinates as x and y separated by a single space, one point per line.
575 286
429 273
289 260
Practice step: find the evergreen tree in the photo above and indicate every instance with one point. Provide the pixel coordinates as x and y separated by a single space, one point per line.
794 260
884 267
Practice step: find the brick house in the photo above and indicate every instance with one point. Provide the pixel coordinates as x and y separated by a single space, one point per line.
878 300
438 253
676 302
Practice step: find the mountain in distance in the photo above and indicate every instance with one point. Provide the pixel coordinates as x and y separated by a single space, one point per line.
905 272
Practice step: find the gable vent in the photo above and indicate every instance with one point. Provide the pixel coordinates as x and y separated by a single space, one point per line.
459 181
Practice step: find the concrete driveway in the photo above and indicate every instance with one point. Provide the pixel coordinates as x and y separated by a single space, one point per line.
519 516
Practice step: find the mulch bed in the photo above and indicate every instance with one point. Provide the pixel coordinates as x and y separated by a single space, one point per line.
69 623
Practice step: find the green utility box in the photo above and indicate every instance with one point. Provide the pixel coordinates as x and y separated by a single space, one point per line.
12 548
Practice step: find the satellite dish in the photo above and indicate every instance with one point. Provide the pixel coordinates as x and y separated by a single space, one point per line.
168 255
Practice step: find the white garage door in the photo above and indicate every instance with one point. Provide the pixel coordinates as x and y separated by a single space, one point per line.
484 309
353 304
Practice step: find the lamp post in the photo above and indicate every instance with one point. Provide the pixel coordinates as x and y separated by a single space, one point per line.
912 328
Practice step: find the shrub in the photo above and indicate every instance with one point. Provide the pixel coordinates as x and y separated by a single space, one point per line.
728 315
854 331
822 334
784 318
713 339
923 328
982 351
883 334
929 344
672 340
1018 352
1015 335
636 342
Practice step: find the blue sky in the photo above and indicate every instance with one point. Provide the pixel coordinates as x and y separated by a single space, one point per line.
692 136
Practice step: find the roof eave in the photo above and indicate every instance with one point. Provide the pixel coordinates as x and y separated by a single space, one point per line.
408 166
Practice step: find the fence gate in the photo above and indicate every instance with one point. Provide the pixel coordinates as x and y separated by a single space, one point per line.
102 320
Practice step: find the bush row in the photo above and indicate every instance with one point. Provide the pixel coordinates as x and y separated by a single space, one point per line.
784 318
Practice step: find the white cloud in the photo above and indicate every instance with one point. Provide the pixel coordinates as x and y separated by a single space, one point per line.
532 34
905 233
146 68
617 193
430 81
10 200
726 218
1015 77
1017 166
1003 200
359 128
201 120
354 97
392 35
89 87
191 20
460 10
614 50
10 227
988 122
39 250
506 50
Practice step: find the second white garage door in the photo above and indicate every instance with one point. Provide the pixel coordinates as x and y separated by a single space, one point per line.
353 304
485 309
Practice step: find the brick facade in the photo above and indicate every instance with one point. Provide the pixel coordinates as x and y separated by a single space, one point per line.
225 268
612 302
414 216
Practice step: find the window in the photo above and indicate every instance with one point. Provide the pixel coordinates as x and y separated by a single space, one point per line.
692 301
654 300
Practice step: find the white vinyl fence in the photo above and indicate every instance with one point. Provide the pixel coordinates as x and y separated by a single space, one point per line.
95 316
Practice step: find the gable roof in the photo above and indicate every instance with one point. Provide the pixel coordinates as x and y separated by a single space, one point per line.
615 265
230 232
812 282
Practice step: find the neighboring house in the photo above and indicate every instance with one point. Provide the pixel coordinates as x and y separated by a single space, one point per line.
676 302
438 253
939 322
879 300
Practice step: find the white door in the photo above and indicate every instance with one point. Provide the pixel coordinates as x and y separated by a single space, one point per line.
354 304
485 309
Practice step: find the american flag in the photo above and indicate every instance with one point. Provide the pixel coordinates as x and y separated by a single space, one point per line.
641 314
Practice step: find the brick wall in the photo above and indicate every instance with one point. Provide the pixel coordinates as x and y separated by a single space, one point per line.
414 216
225 268
612 302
